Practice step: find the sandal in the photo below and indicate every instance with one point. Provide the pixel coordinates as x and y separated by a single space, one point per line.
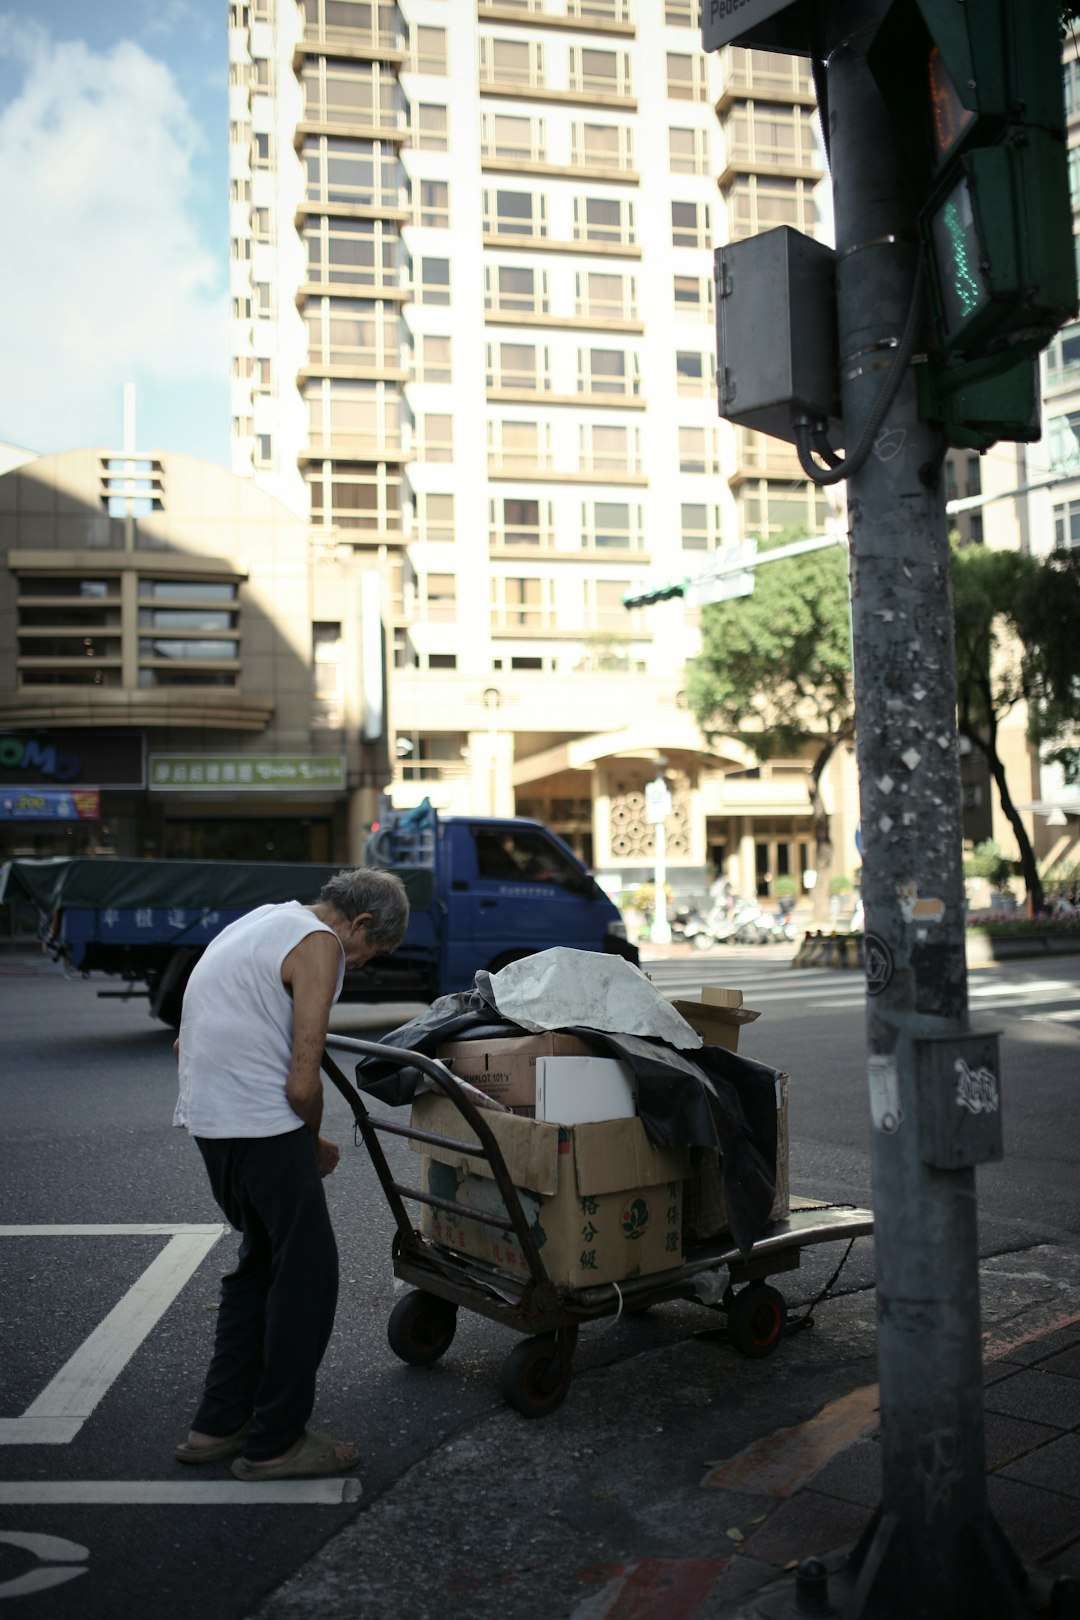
227 1446
314 1456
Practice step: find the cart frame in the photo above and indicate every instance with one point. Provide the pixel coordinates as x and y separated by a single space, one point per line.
536 1375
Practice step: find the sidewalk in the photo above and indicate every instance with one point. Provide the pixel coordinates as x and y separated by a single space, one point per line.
678 1483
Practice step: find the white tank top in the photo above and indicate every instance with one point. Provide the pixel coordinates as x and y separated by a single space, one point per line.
237 1026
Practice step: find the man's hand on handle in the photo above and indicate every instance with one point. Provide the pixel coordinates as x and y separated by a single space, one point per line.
327 1156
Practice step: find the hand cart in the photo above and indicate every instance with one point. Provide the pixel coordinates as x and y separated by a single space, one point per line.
536 1374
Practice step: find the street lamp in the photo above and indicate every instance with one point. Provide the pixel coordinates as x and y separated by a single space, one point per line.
657 809
492 703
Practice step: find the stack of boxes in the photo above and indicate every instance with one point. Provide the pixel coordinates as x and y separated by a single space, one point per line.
604 1204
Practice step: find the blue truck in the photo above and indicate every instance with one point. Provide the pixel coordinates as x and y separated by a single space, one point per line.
483 892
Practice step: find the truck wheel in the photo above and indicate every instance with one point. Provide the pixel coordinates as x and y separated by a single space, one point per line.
167 991
421 1328
756 1318
535 1376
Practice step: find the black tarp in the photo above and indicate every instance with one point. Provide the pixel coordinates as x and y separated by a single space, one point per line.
709 1097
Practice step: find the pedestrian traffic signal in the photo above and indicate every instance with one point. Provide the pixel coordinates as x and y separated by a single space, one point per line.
974 88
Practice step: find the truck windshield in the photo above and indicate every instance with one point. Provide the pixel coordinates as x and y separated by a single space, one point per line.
524 854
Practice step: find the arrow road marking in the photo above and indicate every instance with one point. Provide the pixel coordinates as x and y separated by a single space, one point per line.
64 1554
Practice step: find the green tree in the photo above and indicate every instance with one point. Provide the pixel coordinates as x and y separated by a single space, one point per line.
775 670
1017 641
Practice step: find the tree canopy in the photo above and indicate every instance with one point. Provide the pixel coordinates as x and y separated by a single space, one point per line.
775 669
1017 641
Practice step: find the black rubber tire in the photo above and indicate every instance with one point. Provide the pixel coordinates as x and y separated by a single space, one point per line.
421 1328
756 1319
534 1378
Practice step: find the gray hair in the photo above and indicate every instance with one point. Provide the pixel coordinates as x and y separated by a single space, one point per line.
368 888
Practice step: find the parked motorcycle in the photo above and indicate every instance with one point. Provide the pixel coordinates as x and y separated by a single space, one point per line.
731 920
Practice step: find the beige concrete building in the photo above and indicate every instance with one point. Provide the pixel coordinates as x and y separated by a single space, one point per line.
180 674
473 350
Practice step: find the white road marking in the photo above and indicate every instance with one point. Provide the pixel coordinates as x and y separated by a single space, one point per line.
178 1493
64 1552
173 1229
59 1412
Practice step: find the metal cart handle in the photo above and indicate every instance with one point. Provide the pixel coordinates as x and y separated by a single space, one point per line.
369 1127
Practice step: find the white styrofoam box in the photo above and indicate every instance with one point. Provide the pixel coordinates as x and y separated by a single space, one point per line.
581 1090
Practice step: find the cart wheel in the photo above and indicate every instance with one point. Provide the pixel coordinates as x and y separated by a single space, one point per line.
421 1328
756 1318
702 942
535 1377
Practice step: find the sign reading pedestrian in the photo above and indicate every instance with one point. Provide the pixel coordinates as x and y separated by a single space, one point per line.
722 21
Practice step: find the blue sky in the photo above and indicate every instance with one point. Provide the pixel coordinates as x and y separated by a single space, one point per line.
114 198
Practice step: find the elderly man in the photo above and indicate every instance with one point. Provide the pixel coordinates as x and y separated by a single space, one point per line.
255 1017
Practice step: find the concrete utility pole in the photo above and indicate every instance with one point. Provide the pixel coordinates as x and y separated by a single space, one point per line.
933 1550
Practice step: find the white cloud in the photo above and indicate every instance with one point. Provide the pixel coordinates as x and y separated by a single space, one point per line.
104 277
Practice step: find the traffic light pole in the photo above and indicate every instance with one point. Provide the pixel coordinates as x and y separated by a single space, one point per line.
932 1550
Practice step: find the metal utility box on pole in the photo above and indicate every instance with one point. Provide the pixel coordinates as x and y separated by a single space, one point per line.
933 1549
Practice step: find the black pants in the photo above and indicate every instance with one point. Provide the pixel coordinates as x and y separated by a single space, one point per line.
277 1308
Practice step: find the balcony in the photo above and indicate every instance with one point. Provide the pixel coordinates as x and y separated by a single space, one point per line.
793 161
382 39
759 455
764 76
590 16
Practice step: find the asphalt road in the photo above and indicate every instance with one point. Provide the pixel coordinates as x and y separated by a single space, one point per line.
105 1335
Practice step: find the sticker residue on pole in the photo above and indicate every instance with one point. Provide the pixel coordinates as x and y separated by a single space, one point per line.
885 1111
879 964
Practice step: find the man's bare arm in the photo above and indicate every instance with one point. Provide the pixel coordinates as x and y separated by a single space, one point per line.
310 973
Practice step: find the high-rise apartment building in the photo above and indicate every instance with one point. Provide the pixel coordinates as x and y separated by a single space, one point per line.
474 342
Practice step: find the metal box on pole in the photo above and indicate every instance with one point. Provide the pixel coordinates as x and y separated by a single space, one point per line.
776 333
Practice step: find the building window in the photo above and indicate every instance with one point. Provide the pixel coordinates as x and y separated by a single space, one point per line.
608 371
685 77
760 202
442 661
1065 442
435 364
517 447
429 50
511 61
431 132
611 526
352 332
264 450
606 450
688 151
700 525
694 373
357 495
437 522
512 139
693 455
690 225
1067 526
434 285
352 253
1063 355
327 677
355 416
681 13
518 521
440 596
603 297
1071 73
603 219
435 203
693 297
437 442
602 146
515 213
603 73
523 366
521 604
342 171
512 289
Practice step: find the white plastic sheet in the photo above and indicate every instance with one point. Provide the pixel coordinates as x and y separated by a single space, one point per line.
562 988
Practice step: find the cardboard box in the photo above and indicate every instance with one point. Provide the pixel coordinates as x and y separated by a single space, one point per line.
602 1202
704 1211
582 1090
506 1069
718 1016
